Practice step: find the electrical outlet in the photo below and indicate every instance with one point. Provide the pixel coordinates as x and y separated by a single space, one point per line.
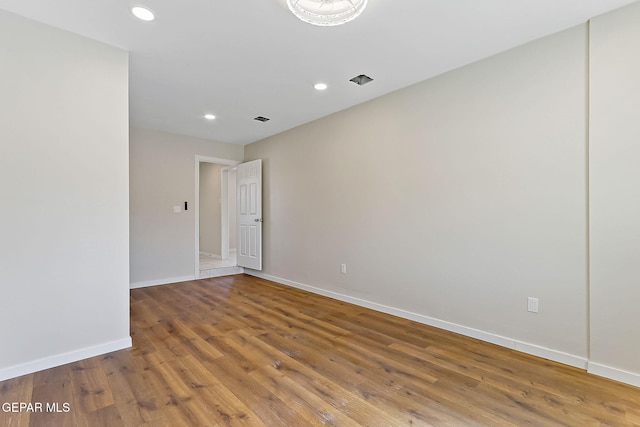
343 268
532 305
177 209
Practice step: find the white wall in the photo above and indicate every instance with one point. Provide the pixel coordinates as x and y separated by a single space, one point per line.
210 208
452 200
162 168
64 233
615 194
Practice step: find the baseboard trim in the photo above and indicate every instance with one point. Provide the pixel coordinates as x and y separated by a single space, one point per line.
547 353
555 355
157 282
63 359
219 272
210 255
614 374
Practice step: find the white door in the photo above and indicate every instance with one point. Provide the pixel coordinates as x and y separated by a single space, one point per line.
249 186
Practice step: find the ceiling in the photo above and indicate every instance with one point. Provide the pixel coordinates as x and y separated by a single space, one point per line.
239 59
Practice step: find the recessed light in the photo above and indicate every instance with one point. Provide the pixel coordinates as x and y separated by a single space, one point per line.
320 86
143 13
209 116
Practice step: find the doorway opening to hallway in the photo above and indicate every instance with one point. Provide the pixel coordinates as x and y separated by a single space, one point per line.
216 225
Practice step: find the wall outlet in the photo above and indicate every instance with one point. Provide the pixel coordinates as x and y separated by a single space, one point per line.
177 209
532 305
343 268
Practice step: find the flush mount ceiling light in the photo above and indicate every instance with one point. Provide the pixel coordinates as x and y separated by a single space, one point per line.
143 13
209 116
327 13
320 86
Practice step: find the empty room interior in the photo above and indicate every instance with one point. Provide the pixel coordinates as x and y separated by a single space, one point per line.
320 212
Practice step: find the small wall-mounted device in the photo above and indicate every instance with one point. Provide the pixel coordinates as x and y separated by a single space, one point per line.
185 206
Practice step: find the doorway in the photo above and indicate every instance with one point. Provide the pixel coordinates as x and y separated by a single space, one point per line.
216 225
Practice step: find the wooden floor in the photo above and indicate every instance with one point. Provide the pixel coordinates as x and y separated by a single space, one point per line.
244 351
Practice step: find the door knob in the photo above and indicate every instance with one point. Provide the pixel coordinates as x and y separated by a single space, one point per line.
258 220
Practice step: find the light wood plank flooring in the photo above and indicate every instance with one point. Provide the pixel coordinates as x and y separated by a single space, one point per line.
238 350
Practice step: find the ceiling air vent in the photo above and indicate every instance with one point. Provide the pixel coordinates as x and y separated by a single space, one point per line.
261 119
362 79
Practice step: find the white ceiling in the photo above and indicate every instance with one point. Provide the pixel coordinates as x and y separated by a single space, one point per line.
239 59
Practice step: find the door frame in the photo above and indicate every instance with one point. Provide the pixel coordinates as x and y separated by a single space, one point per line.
196 202
224 206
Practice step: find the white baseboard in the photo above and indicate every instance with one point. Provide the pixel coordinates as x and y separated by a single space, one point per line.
210 255
614 374
63 359
555 355
547 353
157 282
219 272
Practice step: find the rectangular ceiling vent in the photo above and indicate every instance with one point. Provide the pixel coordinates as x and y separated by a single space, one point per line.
362 79
261 119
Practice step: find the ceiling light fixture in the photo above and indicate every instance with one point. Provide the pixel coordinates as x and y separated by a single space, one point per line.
327 13
320 86
143 13
209 116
